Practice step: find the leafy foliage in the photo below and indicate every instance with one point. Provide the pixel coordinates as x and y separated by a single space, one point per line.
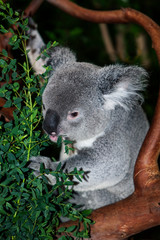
29 207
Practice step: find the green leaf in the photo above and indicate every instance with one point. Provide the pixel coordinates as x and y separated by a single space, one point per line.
42 167
16 45
58 167
11 12
14 76
3 7
2 14
11 156
34 114
78 177
2 211
62 229
15 84
55 44
14 38
3 30
46 54
25 37
17 100
5 148
66 142
71 228
7 104
86 212
7 77
3 63
38 58
63 238
33 89
12 64
69 183
59 141
49 44
66 150
8 205
16 13
8 5
38 213
4 52
8 125
25 22
39 185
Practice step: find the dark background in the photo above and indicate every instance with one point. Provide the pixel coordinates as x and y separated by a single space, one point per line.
85 39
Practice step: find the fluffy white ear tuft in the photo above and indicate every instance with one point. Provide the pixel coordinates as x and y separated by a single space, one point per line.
122 96
122 86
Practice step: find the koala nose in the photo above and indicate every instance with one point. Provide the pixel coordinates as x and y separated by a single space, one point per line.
51 121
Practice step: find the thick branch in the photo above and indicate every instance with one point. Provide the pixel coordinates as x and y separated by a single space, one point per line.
127 217
117 16
74 10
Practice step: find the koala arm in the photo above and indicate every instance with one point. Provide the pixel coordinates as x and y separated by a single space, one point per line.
102 171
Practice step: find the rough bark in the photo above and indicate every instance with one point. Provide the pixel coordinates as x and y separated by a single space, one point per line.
127 217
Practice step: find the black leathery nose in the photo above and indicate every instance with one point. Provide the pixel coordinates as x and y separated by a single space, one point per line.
51 121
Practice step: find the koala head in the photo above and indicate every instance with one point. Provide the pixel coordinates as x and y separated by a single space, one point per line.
80 97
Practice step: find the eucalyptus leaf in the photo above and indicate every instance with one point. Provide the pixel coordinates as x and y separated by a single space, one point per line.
29 207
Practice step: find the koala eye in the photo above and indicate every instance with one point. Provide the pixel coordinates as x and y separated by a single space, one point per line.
72 115
44 107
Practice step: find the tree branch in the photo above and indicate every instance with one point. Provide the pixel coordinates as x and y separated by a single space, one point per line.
74 10
33 7
126 217
126 15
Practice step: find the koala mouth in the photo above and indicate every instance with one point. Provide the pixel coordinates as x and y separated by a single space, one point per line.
53 137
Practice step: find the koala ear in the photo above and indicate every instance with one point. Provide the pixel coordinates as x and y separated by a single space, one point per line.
59 56
121 85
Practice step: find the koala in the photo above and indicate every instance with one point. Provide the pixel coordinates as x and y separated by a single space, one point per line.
99 109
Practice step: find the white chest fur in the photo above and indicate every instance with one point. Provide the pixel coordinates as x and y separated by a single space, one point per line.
88 142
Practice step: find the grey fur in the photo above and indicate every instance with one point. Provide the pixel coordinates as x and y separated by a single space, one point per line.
108 131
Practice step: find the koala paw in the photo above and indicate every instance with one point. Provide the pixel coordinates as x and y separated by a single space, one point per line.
35 163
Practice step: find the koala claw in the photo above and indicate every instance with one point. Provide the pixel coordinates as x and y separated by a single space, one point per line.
35 163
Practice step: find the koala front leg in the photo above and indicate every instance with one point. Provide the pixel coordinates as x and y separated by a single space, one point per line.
67 165
35 163
76 161
35 44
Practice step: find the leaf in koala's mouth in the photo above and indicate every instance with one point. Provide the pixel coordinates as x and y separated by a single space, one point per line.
53 137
